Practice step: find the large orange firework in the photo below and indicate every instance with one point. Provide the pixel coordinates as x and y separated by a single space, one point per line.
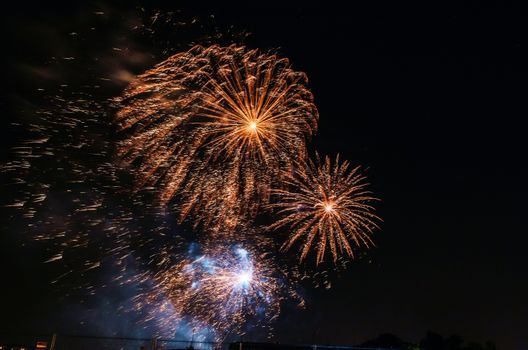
326 204
214 126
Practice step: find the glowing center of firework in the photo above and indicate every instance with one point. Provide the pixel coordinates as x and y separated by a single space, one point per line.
244 278
329 207
252 126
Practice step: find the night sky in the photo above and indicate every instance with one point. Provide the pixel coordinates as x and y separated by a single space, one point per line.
429 99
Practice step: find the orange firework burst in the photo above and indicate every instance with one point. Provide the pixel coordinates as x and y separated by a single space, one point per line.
328 204
214 126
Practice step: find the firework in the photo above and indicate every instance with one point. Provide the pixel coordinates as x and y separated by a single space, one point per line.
209 131
326 205
227 288
214 127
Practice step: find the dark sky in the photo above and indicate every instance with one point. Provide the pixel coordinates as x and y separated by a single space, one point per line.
430 98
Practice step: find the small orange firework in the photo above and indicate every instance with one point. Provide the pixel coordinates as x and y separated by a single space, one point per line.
328 204
214 127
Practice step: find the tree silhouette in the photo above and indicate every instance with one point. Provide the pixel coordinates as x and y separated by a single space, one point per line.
431 341
387 341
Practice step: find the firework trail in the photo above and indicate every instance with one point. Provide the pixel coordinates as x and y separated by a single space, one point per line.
214 127
326 205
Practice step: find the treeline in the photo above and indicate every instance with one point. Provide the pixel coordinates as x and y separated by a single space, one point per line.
431 341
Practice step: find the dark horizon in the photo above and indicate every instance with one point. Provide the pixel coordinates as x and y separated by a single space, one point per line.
383 341
427 98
